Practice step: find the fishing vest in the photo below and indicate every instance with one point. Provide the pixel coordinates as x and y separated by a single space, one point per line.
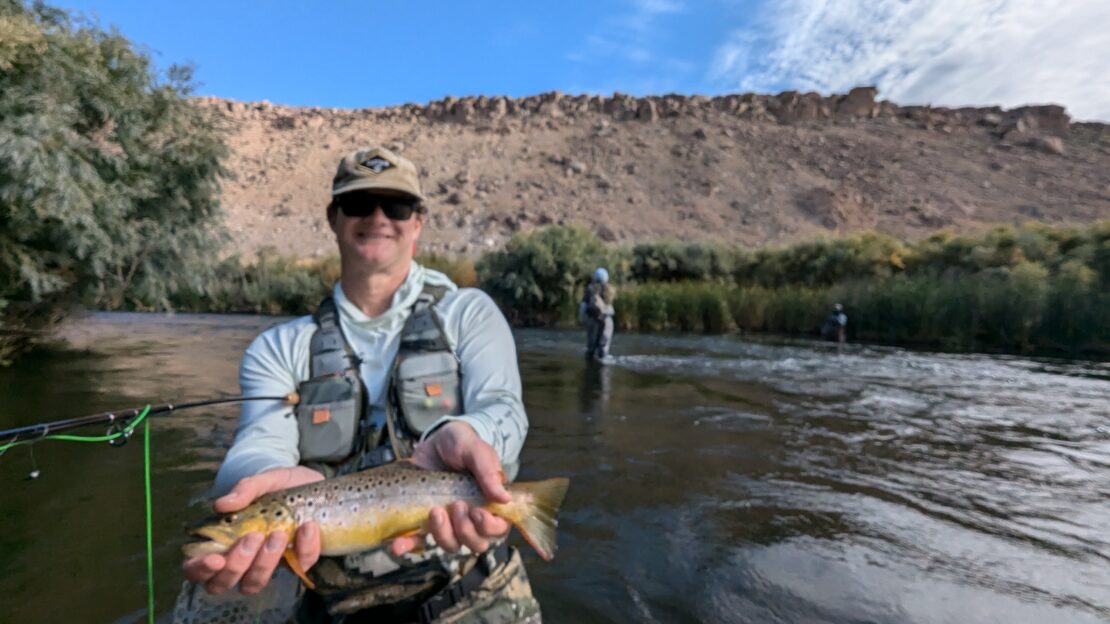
338 436
334 419
594 292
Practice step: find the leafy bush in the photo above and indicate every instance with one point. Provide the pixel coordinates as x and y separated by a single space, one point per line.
272 284
461 271
676 262
539 276
1034 287
824 262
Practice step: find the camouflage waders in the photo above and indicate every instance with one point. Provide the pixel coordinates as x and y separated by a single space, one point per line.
503 598
273 605
599 332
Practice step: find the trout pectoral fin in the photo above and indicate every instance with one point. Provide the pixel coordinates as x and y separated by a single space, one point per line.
417 532
295 566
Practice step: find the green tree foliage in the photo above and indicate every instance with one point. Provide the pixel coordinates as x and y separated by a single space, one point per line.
1018 289
676 262
108 175
539 276
824 262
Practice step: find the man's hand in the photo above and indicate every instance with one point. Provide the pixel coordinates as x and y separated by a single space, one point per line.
252 560
456 446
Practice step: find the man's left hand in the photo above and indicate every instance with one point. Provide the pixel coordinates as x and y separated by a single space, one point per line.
456 446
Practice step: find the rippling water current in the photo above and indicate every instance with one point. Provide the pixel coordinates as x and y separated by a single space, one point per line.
713 479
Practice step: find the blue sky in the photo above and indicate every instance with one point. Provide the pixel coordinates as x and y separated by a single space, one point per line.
360 54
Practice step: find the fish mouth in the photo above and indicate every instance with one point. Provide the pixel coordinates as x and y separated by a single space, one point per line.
204 547
215 534
210 536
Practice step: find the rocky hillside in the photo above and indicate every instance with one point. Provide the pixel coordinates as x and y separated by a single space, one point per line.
753 169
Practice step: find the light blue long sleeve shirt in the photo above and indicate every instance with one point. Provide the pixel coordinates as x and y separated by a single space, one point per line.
277 361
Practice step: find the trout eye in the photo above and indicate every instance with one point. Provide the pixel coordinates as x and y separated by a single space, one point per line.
229 519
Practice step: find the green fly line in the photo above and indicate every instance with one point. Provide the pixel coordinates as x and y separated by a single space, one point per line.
123 433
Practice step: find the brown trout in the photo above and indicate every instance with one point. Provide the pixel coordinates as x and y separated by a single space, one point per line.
360 511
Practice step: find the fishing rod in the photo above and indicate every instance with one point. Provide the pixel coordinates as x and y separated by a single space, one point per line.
119 421
121 424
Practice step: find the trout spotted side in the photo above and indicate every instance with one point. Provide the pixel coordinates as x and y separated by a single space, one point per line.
364 510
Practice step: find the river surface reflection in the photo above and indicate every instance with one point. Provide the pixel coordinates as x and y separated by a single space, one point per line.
712 479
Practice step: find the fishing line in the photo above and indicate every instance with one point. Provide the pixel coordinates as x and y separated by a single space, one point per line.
34 474
111 437
34 433
4 449
149 530
125 433
118 435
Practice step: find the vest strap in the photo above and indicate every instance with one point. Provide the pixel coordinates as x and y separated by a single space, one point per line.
423 331
331 354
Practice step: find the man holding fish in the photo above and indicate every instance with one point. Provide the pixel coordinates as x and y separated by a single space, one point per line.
410 408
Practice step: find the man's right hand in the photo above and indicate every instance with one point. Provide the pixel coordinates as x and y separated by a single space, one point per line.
252 560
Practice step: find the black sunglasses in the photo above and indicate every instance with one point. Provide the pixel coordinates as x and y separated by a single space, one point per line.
363 205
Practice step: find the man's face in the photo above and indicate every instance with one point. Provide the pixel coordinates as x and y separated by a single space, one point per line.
375 241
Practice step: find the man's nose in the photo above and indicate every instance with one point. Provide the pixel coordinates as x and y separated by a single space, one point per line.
378 216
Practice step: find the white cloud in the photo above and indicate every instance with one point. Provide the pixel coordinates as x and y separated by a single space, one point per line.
944 52
630 36
644 13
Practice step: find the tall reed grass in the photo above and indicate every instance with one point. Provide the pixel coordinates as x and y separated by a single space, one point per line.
1016 310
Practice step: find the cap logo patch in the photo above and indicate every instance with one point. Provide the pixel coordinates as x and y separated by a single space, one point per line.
377 164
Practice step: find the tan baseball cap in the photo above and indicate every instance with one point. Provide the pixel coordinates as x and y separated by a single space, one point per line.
376 168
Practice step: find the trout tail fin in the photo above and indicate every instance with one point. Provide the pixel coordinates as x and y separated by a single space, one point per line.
532 511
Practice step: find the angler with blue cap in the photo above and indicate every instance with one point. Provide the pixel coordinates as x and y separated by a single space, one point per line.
596 313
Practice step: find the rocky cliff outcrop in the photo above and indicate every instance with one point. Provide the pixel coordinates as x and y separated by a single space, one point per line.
746 168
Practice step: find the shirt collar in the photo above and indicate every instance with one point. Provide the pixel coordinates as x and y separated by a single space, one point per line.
403 299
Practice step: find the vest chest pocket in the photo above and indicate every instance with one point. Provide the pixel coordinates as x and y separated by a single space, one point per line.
428 389
327 417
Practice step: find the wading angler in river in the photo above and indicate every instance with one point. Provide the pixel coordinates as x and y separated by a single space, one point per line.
397 364
595 312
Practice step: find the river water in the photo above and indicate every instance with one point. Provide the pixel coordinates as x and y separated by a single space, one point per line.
712 479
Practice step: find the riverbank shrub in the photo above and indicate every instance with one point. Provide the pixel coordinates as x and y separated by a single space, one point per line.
961 294
271 284
461 271
539 276
1021 289
1019 310
109 176
671 261
283 285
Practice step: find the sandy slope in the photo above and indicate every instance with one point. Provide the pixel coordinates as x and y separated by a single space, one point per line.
742 168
